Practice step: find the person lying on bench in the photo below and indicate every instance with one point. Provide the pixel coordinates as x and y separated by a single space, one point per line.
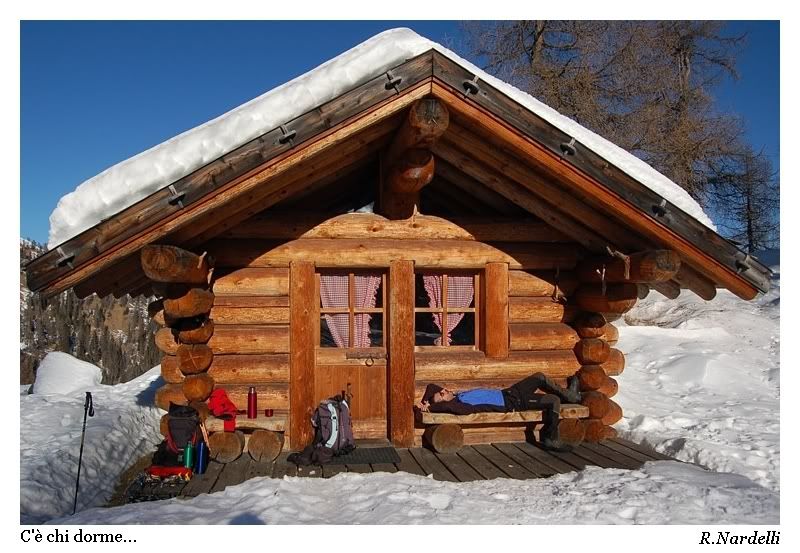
521 396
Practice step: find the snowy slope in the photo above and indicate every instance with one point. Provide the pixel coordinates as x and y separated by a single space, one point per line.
133 179
124 428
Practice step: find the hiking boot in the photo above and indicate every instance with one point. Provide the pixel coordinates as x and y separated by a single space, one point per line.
573 394
555 445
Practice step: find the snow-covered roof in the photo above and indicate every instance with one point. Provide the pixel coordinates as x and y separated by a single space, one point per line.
135 178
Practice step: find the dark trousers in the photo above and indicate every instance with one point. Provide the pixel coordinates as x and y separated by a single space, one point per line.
522 396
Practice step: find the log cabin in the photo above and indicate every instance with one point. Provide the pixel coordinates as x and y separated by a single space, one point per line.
423 222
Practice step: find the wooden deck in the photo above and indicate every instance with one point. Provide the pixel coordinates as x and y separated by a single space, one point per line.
520 461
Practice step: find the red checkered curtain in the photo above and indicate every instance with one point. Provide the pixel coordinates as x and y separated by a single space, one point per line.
460 291
333 292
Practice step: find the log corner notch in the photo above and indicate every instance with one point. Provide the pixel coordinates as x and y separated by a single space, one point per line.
408 164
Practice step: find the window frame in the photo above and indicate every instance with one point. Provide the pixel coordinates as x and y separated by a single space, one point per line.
476 309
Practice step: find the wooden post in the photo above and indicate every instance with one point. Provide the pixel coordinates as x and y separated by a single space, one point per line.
496 310
401 353
301 347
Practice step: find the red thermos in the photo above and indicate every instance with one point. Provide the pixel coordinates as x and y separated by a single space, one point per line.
252 406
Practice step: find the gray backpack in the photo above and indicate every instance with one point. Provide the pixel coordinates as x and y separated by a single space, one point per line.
333 428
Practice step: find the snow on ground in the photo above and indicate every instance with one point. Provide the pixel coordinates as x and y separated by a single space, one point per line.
124 427
60 373
704 384
701 383
131 180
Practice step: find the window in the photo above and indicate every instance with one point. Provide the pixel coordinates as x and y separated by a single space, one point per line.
352 309
446 297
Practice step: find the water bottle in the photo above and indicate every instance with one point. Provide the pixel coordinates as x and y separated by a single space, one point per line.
202 458
188 455
252 407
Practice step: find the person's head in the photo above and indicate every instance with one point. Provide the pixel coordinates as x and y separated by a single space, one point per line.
443 395
435 394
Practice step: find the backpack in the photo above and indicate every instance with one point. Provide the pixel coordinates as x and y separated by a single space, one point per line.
333 433
183 426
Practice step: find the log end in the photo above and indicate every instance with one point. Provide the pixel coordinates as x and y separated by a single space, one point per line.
444 438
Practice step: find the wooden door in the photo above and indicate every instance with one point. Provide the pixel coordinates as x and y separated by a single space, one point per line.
361 368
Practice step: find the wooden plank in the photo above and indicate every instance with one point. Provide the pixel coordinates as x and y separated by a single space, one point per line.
458 467
545 284
525 461
202 483
257 469
250 315
495 308
431 465
383 467
641 449
360 468
544 457
275 423
370 253
408 463
433 366
235 369
309 471
595 458
570 458
249 339
301 358
539 310
269 281
332 470
624 460
282 467
251 301
568 411
233 473
274 395
510 467
592 175
465 186
481 465
401 352
541 336
318 130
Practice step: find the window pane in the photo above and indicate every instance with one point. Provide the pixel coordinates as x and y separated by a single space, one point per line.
376 330
464 332
337 328
460 291
379 295
325 337
422 299
426 332
333 290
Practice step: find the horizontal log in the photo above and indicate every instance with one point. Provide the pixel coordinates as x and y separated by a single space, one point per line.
541 336
694 281
539 310
592 351
294 225
596 431
251 301
194 358
596 403
474 435
155 310
273 395
249 339
643 290
615 363
568 411
541 283
250 315
194 302
275 423
610 334
571 431
235 369
645 267
427 254
437 367
618 298
257 281
591 377
613 414
165 341
195 331
670 289
173 264
412 171
459 385
589 324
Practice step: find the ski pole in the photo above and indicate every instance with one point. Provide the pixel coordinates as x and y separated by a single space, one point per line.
88 408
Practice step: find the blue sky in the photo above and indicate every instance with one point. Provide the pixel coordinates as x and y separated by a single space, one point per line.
96 93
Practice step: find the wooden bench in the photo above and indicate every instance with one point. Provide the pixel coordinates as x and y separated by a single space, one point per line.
261 437
444 432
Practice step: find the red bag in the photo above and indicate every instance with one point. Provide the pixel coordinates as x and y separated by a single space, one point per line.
223 408
158 471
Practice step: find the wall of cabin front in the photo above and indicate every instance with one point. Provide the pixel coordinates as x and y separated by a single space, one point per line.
530 314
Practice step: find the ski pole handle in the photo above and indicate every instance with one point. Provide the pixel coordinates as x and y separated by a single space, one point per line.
88 405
